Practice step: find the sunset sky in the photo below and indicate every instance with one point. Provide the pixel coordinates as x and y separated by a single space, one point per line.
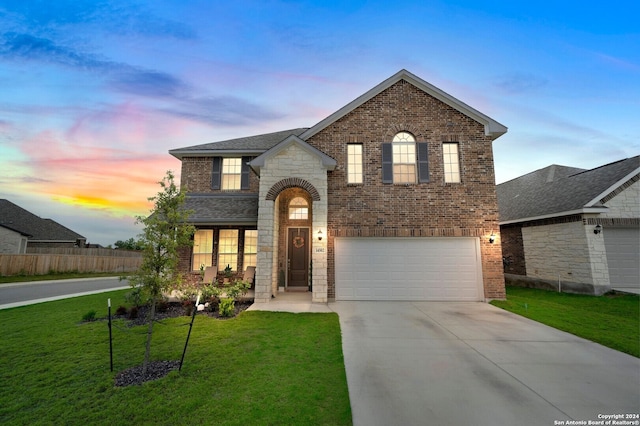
94 94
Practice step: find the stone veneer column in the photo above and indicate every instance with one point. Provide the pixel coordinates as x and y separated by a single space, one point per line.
265 258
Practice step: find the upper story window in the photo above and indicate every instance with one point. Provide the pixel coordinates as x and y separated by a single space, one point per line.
404 161
451 160
404 158
354 163
298 209
231 172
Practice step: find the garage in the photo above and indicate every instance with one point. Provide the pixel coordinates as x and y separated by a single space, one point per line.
418 269
623 257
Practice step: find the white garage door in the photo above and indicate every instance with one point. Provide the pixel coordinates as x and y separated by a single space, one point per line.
623 256
408 269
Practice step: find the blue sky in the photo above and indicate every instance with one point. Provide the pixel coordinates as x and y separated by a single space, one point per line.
94 94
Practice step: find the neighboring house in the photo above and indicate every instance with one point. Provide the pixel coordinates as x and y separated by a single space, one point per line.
579 228
392 197
40 232
12 241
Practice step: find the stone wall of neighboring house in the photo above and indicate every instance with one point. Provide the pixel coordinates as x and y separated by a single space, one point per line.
434 208
12 242
624 203
567 252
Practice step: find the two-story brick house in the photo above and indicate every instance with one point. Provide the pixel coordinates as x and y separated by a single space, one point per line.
392 197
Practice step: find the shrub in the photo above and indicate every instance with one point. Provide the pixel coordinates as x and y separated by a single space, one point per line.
134 297
121 310
89 316
162 306
227 307
133 313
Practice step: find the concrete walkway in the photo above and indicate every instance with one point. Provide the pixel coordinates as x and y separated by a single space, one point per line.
295 302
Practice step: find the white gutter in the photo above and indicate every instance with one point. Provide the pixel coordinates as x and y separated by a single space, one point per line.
612 188
558 214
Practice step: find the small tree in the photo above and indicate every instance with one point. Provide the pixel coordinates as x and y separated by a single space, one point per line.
165 230
129 244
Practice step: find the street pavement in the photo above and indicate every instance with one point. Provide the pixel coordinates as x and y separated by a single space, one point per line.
29 293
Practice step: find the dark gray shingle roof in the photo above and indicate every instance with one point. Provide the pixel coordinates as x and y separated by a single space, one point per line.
251 144
21 220
557 189
218 209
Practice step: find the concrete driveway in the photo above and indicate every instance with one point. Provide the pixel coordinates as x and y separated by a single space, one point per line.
440 363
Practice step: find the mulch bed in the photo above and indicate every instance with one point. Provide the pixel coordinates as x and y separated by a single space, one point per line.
158 369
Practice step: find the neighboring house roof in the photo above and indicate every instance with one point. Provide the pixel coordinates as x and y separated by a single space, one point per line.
24 234
560 190
491 127
221 209
248 145
21 220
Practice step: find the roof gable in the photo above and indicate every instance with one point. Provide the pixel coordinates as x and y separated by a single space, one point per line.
247 145
560 190
491 127
258 163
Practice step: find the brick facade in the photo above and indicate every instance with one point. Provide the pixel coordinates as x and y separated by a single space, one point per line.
435 208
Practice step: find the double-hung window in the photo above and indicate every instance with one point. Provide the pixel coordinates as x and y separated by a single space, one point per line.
230 174
228 249
404 161
202 249
250 248
354 163
404 158
451 161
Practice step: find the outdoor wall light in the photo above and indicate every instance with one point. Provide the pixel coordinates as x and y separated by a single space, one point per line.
597 229
320 235
492 238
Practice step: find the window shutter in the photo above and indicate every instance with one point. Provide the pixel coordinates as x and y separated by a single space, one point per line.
387 163
423 162
244 177
216 173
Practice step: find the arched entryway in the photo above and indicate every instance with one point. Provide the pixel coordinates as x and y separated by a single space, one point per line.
295 216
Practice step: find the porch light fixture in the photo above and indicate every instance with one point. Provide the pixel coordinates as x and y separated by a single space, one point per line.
492 238
320 235
597 229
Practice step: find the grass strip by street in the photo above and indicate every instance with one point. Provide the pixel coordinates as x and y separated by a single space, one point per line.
259 368
54 276
610 320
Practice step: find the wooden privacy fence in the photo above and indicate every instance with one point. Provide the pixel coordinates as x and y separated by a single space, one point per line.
39 264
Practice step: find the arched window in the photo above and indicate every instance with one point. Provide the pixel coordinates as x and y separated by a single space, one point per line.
298 209
404 158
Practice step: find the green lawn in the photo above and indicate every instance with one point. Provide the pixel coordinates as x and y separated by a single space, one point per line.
261 368
612 321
